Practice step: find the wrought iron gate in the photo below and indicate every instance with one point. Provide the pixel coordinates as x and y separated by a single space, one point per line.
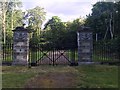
50 51
51 56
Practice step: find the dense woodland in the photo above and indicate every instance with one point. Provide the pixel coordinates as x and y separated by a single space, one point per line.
104 21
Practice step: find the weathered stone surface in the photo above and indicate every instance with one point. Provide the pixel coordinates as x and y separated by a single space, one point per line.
20 46
85 45
85 50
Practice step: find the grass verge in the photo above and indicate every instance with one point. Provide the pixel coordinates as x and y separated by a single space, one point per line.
85 76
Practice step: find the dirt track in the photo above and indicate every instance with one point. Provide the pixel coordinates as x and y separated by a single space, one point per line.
52 80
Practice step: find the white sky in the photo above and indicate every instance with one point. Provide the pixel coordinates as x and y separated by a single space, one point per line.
67 10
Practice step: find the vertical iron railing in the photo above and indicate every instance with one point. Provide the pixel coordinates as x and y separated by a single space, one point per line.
103 51
37 55
7 53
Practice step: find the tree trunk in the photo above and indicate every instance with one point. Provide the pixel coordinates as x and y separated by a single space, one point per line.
3 21
12 19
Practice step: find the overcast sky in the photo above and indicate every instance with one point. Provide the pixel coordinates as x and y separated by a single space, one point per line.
67 10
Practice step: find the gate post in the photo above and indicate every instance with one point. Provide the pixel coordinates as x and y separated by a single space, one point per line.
85 45
20 46
72 57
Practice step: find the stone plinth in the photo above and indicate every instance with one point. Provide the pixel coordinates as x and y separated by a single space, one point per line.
20 46
85 45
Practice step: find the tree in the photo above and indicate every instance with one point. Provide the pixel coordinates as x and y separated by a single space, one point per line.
62 34
105 21
54 32
35 18
17 21
101 19
3 5
54 23
72 31
12 5
6 8
117 19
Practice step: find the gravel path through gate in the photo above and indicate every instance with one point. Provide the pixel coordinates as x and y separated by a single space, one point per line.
52 80
53 77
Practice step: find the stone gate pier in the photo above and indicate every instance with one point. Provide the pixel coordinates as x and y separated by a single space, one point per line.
85 45
20 46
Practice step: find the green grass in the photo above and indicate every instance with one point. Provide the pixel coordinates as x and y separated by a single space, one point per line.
36 55
8 58
98 76
16 77
15 80
69 54
7 54
87 76
97 58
